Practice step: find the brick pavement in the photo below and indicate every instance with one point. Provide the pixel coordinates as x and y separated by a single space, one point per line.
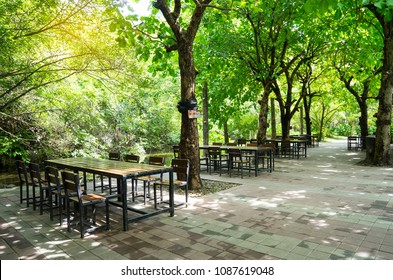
322 207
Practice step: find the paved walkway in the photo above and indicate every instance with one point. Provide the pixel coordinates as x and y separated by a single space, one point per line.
321 207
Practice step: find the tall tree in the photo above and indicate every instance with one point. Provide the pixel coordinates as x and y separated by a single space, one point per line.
383 12
183 19
273 43
356 57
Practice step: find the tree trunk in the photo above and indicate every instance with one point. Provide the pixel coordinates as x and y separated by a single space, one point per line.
263 123
273 118
307 118
384 115
189 139
363 123
226 134
285 125
385 98
205 110
301 121
320 136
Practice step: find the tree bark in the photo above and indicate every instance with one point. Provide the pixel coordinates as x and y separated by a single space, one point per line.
205 111
189 138
226 132
301 124
263 123
384 115
385 96
273 118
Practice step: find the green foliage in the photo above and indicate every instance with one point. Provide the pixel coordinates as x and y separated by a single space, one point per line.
244 126
13 147
103 100
96 82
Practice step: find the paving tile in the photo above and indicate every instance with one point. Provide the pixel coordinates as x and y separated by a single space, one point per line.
320 208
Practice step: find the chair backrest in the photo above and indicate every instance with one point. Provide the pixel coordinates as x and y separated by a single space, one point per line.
214 152
71 184
155 160
114 155
52 177
269 145
252 145
22 172
217 144
132 158
182 168
35 174
241 142
234 154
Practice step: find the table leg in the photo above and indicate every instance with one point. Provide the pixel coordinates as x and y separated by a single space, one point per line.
123 188
171 194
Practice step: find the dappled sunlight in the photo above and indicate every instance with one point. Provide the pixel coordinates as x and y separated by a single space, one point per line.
351 154
325 165
319 178
330 213
277 200
263 204
299 206
213 204
332 171
319 223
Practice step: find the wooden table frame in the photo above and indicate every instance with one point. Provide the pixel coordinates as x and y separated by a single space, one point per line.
122 171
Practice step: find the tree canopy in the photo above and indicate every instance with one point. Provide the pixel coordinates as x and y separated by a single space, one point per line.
84 77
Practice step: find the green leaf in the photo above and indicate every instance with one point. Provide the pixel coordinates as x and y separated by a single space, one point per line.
112 27
338 14
389 3
388 15
380 5
122 42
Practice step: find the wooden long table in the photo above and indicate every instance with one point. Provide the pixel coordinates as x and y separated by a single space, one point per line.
249 149
122 171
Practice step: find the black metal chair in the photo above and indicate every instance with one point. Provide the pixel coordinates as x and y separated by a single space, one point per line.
24 184
217 160
266 156
82 201
147 180
181 170
238 161
103 185
56 189
132 159
39 184
353 143
203 160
